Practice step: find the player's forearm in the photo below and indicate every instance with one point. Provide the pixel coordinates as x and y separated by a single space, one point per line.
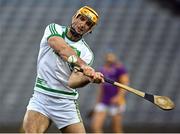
77 80
63 50
69 55
78 84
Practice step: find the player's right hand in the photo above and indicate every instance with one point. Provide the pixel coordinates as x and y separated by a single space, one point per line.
98 77
88 71
95 77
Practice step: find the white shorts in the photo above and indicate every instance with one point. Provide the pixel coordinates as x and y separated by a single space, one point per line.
111 109
62 112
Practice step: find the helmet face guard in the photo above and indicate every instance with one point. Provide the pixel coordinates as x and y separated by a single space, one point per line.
88 12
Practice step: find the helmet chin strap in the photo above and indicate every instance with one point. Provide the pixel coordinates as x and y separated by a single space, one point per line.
74 33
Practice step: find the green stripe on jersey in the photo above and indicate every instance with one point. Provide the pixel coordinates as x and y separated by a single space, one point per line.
77 109
41 83
54 28
55 90
50 29
53 31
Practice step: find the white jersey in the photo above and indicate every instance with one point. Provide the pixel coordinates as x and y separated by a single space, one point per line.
52 71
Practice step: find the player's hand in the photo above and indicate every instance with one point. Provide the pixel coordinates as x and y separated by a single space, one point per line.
95 77
88 71
98 77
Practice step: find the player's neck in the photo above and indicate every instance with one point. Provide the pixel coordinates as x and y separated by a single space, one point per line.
109 65
72 36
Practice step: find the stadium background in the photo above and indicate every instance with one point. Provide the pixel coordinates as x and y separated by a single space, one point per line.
143 33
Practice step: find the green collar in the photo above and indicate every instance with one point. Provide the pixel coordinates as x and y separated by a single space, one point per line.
68 37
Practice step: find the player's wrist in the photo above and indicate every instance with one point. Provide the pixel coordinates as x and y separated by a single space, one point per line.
74 59
83 66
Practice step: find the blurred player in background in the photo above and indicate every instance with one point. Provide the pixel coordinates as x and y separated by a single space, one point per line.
55 94
110 99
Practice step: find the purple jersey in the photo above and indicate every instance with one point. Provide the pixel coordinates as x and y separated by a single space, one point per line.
109 90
